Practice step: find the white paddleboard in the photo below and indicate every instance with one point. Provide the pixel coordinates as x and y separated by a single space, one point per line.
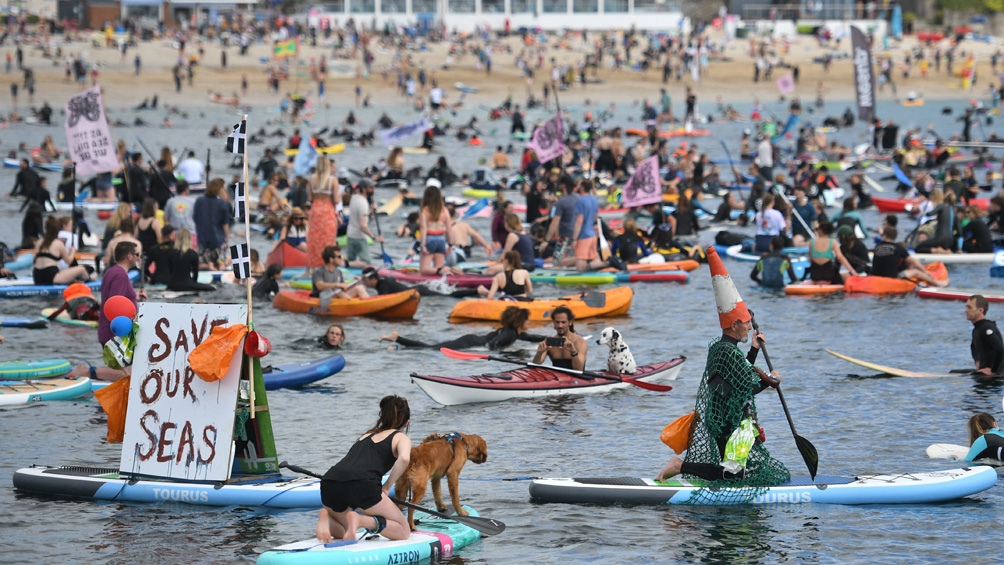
948 451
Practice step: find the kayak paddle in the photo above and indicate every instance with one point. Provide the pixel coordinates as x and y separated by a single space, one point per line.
805 447
486 526
467 356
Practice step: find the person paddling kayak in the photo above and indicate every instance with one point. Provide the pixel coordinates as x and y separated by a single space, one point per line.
987 346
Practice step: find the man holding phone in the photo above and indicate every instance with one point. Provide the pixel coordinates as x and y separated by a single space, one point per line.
566 349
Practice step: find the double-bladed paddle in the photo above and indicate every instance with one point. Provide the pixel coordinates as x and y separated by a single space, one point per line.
805 447
466 356
486 526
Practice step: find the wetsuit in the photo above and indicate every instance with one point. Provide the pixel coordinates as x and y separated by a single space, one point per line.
185 272
770 270
629 247
387 285
988 446
825 272
354 482
159 257
944 234
987 346
265 287
888 259
498 339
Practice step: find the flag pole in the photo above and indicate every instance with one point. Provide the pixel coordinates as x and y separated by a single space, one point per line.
247 280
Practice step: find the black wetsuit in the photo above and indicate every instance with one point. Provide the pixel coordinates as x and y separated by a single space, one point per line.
987 346
185 272
387 285
498 339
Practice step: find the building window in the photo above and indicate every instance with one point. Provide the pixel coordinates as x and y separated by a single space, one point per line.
615 6
585 6
555 6
362 6
423 6
656 6
393 6
523 6
462 6
493 6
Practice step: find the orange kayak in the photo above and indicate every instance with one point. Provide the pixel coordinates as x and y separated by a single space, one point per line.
592 304
887 285
809 289
397 305
679 132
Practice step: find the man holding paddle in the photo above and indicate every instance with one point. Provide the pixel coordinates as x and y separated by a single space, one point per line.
987 346
566 349
725 400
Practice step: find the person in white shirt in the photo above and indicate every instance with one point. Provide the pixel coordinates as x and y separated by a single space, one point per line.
191 169
765 158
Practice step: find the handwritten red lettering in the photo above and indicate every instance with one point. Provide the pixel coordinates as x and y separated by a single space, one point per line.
154 377
145 455
164 442
187 440
210 443
165 342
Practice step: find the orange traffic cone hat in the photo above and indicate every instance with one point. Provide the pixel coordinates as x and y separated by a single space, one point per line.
730 305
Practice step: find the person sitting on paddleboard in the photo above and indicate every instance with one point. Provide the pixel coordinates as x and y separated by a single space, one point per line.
891 259
515 322
725 399
769 271
354 482
987 347
986 439
566 349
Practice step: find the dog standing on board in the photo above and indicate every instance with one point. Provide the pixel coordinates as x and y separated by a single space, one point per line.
438 456
619 359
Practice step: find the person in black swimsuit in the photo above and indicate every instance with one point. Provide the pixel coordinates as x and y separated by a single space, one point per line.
514 326
354 482
567 349
513 281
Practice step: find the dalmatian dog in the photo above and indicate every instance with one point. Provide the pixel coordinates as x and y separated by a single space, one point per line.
619 360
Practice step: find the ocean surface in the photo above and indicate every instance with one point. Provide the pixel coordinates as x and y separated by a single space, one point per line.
859 423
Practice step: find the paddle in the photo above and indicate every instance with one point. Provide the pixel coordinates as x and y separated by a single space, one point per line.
805 447
486 526
387 261
732 163
474 208
467 356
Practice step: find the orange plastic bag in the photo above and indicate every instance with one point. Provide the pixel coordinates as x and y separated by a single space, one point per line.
677 434
211 359
114 400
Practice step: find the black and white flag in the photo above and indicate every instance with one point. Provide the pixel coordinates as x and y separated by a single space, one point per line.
241 261
240 201
236 140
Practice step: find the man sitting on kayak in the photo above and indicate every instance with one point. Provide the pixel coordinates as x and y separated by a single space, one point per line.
987 346
566 349
328 282
891 259
725 400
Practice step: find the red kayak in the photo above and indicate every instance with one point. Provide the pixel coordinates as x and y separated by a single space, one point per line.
902 205
534 381
287 256
960 294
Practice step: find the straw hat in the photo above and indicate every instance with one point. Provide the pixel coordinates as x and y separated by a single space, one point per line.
730 305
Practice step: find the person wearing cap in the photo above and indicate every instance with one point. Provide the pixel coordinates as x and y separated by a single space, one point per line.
388 285
357 252
726 396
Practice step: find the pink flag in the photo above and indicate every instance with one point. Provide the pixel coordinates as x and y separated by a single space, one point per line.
547 140
786 84
644 186
90 142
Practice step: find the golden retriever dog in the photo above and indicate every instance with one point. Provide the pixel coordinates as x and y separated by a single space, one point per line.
436 457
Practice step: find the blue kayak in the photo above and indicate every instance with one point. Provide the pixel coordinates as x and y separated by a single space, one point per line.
25 287
15 322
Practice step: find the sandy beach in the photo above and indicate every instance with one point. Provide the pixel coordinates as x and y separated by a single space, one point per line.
731 78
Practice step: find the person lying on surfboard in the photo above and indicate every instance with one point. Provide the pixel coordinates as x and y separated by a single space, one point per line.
987 347
986 439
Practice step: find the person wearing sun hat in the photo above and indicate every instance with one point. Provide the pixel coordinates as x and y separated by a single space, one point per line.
725 398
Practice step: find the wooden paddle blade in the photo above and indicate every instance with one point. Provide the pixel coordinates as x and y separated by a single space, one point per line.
462 355
486 526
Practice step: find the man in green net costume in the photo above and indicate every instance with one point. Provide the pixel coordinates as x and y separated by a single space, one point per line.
725 402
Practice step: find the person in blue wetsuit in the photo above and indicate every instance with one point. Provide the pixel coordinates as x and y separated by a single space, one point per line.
354 482
986 439
770 270
987 346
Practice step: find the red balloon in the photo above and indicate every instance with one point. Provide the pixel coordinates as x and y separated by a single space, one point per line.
116 306
104 214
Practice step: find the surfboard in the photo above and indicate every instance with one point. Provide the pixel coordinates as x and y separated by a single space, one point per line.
893 370
947 451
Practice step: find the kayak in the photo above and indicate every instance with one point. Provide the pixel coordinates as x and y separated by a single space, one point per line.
888 285
326 150
16 322
287 256
27 392
64 318
24 287
810 289
953 258
684 265
899 488
437 538
991 295
887 370
397 305
679 132
901 205
592 304
106 484
41 369
533 382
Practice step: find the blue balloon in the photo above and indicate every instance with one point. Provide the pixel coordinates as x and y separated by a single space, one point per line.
121 326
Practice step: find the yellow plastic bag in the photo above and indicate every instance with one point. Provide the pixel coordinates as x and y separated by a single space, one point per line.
211 359
114 400
677 434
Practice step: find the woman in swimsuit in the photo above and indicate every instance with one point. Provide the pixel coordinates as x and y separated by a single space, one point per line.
513 281
295 232
50 250
824 256
435 227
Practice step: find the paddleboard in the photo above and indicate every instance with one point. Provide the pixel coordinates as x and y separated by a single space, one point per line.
892 370
900 488
106 484
947 451
963 294
327 150
954 258
436 538
64 318
14 322
27 392
41 369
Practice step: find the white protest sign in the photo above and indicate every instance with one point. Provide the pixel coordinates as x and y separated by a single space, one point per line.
90 141
179 426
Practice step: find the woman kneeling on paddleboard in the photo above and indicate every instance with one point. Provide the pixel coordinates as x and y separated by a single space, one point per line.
986 439
354 482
